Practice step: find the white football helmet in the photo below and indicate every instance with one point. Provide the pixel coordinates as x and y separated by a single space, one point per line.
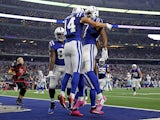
134 66
59 34
77 10
101 61
92 12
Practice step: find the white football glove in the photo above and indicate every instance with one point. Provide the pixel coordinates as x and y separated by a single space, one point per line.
140 79
50 74
109 26
105 53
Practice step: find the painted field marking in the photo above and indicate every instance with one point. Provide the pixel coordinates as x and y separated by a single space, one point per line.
151 119
116 106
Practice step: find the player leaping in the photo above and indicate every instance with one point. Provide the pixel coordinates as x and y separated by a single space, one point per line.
73 47
89 46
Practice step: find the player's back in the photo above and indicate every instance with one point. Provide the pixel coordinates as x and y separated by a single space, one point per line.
91 33
58 48
73 26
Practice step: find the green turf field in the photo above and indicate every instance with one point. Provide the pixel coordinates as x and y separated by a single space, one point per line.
146 97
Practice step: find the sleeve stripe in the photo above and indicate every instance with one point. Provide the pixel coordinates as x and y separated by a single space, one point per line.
51 43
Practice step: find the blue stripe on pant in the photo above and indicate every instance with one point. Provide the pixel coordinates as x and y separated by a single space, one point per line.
76 75
91 57
79 50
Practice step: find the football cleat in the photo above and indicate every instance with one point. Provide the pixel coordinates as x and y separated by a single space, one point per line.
51 109
100 103
78 104
94 111
76 113
134 93
62 101
71 102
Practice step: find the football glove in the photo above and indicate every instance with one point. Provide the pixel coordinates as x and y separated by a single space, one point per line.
109 26
50 74
105 53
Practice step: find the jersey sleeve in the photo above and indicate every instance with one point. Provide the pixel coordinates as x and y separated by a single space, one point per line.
99 20
52 45
138 69
80 15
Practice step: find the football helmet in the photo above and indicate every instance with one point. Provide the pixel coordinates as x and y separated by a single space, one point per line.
92 12
101 61
59 34
134 66
77 10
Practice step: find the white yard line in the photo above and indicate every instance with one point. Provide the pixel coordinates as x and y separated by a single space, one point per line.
151 119
152 110
133 108
134 97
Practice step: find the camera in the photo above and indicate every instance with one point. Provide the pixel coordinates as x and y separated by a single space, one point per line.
14 64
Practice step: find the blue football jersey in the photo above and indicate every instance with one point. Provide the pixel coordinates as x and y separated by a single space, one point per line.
73 27
135 73
91 34
58 47
102 70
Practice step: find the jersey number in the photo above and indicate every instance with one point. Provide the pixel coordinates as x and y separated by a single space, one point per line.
60 52
70 26
102 70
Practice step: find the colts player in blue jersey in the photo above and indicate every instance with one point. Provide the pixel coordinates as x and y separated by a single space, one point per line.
73 48
56 64
104 75
136 76
90 51
89 46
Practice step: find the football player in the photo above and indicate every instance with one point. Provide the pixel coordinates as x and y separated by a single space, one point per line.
90 51
129 81
56 64
73 48
41 82
104 75
136 76
148 80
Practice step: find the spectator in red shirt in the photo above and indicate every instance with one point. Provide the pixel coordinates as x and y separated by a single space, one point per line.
19 73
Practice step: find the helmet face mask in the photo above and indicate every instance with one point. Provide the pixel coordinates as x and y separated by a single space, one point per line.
92 12
59 34
77 10
101 61
134 66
